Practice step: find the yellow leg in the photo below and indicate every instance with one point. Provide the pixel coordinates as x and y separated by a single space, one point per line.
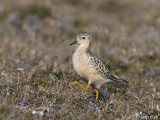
77 83
96 93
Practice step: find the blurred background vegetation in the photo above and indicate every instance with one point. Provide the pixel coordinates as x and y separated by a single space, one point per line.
35 59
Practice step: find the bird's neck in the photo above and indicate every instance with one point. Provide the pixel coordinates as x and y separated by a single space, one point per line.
83 48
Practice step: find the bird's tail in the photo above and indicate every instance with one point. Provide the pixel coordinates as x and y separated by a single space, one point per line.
122 82
119 81
114 79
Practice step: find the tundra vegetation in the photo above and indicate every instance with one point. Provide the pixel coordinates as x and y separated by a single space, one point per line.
35 59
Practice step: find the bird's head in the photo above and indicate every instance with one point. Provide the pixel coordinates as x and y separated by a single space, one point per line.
83 39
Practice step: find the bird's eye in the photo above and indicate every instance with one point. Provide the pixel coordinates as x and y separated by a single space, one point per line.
83 38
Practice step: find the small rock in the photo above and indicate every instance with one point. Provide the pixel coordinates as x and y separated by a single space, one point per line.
20 69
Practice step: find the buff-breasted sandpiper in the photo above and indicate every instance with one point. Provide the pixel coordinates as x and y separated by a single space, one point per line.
89 67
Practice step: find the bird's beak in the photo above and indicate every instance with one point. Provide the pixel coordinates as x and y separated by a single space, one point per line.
73 43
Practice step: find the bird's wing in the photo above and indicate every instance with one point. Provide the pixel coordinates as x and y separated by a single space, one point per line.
115 79
102 69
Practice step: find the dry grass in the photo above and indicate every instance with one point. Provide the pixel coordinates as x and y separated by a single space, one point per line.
35 59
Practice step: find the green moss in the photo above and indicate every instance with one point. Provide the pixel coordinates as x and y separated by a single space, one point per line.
35 9
3 14
113 6
71 76
4 109
80 24
58 74
72 34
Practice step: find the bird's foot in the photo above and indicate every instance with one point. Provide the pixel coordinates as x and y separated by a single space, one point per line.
73 83
77 83
99 97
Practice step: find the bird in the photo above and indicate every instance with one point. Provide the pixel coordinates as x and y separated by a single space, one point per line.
91 69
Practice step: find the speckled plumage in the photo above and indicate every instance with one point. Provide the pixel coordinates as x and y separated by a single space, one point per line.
89 67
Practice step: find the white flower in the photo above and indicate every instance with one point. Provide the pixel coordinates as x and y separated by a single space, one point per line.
34 112
41 113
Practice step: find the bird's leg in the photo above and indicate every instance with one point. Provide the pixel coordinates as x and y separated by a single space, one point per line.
75 82
96 93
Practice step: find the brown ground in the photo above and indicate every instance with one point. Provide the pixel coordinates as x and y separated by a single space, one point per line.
35 59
